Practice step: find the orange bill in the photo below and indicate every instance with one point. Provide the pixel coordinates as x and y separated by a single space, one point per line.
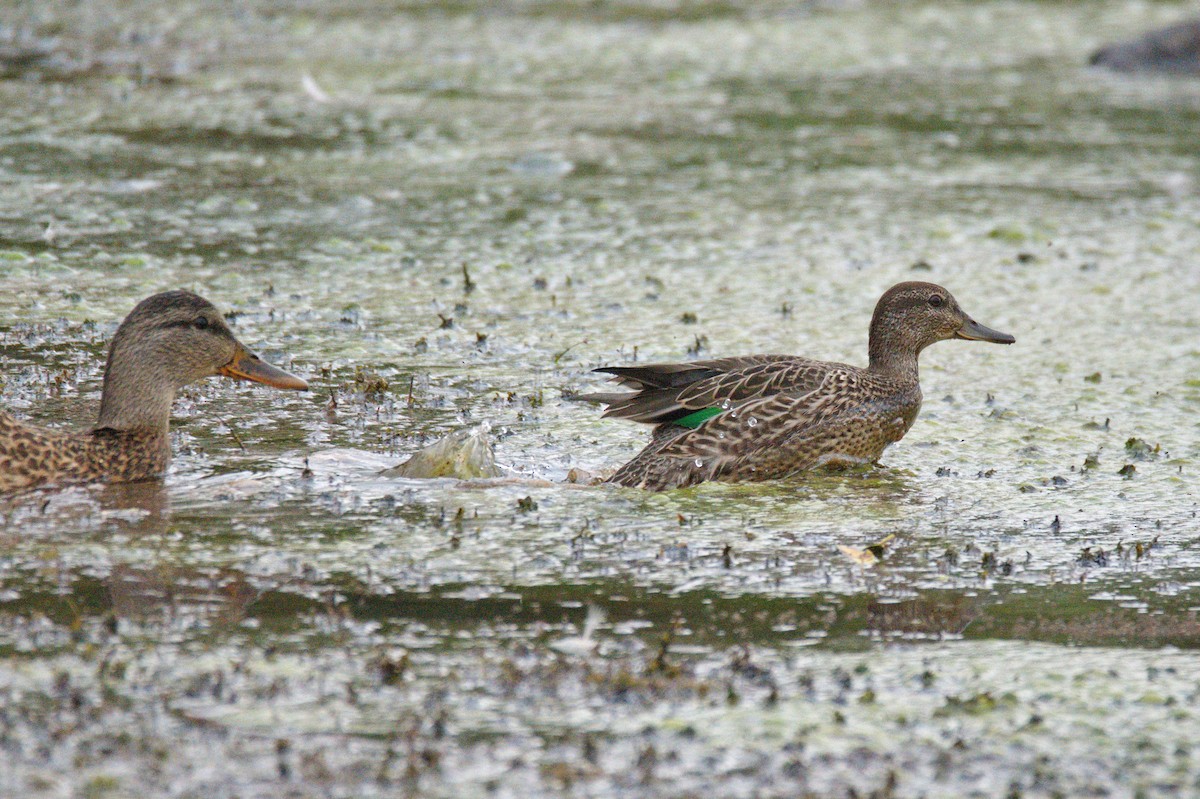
248 366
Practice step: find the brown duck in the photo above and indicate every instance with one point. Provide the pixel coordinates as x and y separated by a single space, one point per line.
167 341
764 417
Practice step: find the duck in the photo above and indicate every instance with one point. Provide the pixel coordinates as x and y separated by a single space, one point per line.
167 341
768 417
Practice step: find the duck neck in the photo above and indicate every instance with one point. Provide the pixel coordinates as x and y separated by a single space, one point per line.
135 399
890 354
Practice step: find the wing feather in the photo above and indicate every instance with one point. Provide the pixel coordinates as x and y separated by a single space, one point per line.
666 392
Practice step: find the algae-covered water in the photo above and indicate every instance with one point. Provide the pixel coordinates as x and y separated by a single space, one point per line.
447 214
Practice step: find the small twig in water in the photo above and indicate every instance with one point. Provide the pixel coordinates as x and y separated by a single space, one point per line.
232 432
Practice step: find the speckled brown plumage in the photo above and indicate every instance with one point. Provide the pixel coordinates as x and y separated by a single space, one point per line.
31 456
167 341
781 414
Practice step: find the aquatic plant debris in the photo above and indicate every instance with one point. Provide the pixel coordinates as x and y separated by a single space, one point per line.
463 454
867 556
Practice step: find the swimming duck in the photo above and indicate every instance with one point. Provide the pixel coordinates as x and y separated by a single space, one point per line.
764 417
167 341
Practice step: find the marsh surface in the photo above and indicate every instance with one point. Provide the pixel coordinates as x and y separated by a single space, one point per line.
253 628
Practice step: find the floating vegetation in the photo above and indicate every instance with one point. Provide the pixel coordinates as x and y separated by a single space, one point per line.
464 454
369 383
1139 450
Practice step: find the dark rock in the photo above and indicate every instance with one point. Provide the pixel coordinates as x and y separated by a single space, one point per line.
1175 49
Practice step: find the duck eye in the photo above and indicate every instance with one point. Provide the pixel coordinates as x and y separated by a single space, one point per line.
201 323
936 301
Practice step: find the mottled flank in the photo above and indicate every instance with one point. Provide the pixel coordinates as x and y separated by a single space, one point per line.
32 456
167 341
783 414
1175 49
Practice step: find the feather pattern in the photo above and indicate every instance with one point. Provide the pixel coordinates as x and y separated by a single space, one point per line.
32 456
782 414
838 416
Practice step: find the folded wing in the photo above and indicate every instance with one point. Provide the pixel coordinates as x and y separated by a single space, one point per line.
665 393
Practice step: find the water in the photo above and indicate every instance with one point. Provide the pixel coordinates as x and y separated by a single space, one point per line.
601 173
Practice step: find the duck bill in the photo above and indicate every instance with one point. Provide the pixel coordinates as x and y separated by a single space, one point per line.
248 366
973 331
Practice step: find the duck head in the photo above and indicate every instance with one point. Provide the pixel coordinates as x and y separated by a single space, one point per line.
911 316
168 341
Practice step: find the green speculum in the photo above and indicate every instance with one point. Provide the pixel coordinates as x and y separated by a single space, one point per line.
697 418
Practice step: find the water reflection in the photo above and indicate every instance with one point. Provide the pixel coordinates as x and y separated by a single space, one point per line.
179 598
99 509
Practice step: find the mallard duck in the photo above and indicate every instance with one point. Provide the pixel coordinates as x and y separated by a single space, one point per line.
764 417
167 341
